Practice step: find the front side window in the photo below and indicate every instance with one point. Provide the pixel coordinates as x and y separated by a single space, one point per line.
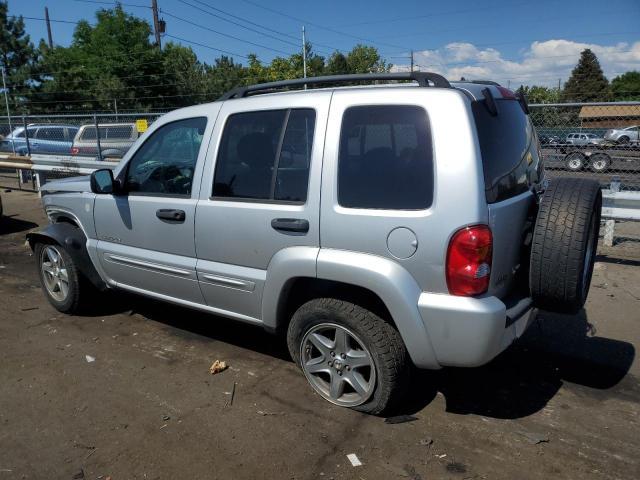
265 155
165 163
386 158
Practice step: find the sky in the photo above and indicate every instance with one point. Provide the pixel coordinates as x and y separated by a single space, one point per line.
512 42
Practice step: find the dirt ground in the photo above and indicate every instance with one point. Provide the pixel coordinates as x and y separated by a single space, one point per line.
561 403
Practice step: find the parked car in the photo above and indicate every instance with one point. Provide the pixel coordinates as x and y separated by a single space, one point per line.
45 138
584 139
380 227
549 139
624 135
115 139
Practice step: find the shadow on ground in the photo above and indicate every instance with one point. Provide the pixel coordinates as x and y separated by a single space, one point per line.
519 382
618 261
11 224
193 325
556 349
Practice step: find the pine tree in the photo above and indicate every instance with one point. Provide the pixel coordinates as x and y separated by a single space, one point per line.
587 82
17 53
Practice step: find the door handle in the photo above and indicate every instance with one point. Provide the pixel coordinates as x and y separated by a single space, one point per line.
171 215
290 225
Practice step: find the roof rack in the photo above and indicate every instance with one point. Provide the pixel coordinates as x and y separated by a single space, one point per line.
422 78
483 82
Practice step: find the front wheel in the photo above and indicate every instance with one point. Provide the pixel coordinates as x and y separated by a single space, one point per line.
575 161
623 140
349 355
60 279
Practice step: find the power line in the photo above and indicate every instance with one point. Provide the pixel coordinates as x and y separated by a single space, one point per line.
224 34
493 26
293 37
329 29
57 21
238 24
205 46
501 6
113 3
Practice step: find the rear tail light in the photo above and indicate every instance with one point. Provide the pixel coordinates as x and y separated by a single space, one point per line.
468 267
506 93
75 150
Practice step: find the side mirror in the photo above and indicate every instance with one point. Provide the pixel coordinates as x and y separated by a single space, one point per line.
102 181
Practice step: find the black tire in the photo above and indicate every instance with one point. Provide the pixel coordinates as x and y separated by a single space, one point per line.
623 140
575 161
383 341
564 245
599 162
78 286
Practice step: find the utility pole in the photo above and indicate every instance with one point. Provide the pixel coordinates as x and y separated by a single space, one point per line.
6 99
558 85
156 22
412 60
304 54
46 18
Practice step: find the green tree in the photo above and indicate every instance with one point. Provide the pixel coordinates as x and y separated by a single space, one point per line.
113 60
337 64
17 53
626 86
587 82
222 76
540 94
363 59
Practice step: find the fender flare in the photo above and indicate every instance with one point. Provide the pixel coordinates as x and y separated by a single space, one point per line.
75 243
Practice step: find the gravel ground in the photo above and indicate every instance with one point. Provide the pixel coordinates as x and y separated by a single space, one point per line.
561 403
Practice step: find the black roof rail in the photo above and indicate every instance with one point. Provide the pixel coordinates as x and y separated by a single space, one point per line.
483 82
422 78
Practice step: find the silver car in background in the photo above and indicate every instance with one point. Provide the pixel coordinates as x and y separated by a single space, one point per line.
115 139
623 135
584 139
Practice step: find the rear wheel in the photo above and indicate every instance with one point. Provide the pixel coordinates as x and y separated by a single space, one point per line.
564 244
600 162
575 161
349 355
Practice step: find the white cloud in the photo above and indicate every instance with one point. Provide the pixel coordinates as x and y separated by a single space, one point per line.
542 63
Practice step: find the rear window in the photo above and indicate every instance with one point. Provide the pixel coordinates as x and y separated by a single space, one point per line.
120 132
509 154
386 158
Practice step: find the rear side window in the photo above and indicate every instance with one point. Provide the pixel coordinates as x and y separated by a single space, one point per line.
120 132
509 153
90 133
49 133
386 158
265 155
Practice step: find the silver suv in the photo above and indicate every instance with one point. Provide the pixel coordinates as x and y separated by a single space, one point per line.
378 227
115 139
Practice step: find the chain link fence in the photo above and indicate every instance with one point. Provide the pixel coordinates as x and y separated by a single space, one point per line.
99 136
594 140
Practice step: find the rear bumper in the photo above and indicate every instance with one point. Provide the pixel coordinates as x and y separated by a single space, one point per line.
468 332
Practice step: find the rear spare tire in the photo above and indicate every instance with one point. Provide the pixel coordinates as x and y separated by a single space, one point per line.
564 244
